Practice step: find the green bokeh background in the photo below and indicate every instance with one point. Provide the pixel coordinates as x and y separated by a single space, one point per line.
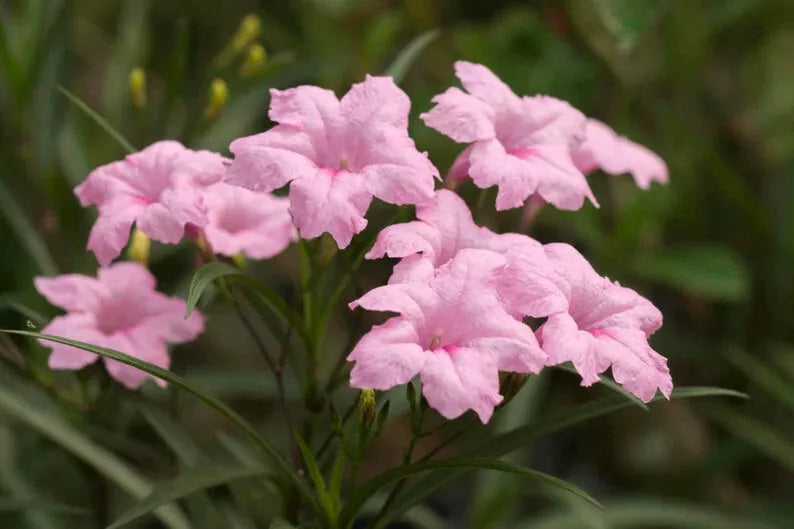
708 84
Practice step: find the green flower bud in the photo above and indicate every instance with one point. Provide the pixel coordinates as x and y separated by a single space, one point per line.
137 82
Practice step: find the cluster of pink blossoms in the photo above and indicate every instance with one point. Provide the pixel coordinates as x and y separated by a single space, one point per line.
460 291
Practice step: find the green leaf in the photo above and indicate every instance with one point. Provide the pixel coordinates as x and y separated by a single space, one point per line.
280 523
185 484
366 490
762 375
228 413
518 438
34 504
99 120
104 462
611 384
27 234
177 439
714 272
317 477
757 433
203 278
409 54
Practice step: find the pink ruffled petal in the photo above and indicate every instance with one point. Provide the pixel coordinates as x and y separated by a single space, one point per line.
462 117
159 223
410 300
401 240
386 356
142 347
481 82
71 292
377 99
559 182
111 231
459 380
492 165
79 327
562 340
412 269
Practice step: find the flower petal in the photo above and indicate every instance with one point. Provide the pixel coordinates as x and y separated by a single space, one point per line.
77 326
387 356
462 117
71 292
377 99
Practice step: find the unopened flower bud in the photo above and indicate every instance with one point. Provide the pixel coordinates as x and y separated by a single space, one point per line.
254 61
218 97
140 247
247 32
137 82
336 422
383 415
366 406
239 260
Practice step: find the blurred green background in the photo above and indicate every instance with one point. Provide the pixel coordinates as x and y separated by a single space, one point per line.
708 84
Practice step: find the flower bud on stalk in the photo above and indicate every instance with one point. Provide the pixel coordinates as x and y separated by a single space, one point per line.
366 406
218 97
254 62
247 32
137 81
140 247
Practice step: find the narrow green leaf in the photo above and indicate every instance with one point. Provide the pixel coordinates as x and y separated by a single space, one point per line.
99 120
611 384
104 462
765 377
228 413
317 477
185 484
360 495
409 54
203 278
177 439
26 232
280 523
518 438
34 504
757 433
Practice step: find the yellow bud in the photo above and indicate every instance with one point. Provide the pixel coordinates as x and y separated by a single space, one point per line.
254 61
218 96
247 32
140 247
239 260
138 87
366 406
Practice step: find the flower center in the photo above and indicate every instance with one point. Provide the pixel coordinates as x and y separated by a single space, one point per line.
344 164
436 340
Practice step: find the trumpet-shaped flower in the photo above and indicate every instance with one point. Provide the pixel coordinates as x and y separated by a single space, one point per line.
239 220
520 144
452 331
603 149
445 227
120 310
157 188
603 325
336 155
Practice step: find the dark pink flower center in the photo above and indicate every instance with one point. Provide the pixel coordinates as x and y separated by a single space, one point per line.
114 317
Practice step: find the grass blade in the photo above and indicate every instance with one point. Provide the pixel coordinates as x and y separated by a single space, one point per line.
99 120
26 232
184 485
409 54
611 384
228 413
33 504
363 493
103 461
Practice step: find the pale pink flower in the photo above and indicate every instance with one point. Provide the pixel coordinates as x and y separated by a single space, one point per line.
603 325
603 149
256 224
452 331
520 144
157 188
444 228
336 155
120 310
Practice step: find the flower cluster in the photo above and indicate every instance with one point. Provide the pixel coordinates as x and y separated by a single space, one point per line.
460 292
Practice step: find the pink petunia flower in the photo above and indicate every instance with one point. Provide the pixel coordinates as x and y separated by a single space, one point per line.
520 144
452 331
158 189
120 310
239 220
603 325
336 155
445 227
603 149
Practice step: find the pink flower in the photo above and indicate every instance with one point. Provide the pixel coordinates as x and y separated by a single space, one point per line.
254 223
452 331
445 227
119 310
603 325
520 144
157 188
337 156
604 149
